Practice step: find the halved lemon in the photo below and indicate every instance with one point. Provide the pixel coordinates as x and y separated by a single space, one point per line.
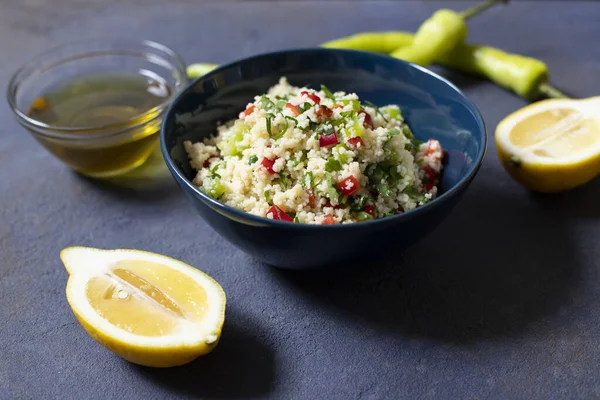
552 145
149 309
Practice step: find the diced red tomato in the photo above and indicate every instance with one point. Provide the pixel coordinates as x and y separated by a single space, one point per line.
278 214
249 110
268 164
328 140
370 209
206 163
328 220
368 120
323 113
312 200
311 96
293 108
349 186
431 174
356 141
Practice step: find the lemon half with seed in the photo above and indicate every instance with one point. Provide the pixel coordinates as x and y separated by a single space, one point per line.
149 309
552 145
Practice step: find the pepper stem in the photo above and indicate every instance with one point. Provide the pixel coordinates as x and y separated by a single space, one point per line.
551 92
473 11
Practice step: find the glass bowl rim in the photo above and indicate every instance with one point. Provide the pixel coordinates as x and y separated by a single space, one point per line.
127 48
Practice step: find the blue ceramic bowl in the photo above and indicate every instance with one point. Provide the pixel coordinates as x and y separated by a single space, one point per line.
433 107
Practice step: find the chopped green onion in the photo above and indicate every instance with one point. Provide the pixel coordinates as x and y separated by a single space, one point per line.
394 112
265 103
213 171
327 92
348 114
213 187
269 116
415 194
332 165
283 179
268 196
280 105
291 119
333 194
308 180
305 106
296 219
407 132
355 104
362 216
408 146
384 189
252 159
393 132
342 157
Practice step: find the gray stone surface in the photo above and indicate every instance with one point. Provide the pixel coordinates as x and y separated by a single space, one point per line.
502 301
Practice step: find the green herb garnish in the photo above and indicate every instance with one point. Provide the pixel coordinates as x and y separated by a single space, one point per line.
268 197
283 179
252 159
296 219
362 216
327 92
384 189
332 165
266 103
415 194
308 180
269 117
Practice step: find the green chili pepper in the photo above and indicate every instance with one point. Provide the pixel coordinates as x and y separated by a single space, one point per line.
439 34
525 76
435 37
197 70
378 42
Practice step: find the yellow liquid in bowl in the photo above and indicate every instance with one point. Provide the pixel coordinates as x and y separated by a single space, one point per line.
128 101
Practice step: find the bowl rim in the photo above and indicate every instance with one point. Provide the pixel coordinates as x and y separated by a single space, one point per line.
454 190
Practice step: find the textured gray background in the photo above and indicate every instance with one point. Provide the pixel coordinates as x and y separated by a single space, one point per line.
501 301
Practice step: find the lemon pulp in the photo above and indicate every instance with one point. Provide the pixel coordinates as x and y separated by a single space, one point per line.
146 298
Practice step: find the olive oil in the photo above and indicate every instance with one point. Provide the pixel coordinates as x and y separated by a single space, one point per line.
105 124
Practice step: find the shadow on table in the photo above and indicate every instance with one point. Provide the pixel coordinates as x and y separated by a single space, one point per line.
241 366
496 265
463 81
582 202
151 182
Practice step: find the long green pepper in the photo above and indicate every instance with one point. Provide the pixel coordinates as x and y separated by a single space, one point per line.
439 34
525 76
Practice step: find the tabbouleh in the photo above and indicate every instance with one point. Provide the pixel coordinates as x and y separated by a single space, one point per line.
316 157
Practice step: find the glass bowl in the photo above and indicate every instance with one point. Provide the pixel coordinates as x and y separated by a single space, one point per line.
103 149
